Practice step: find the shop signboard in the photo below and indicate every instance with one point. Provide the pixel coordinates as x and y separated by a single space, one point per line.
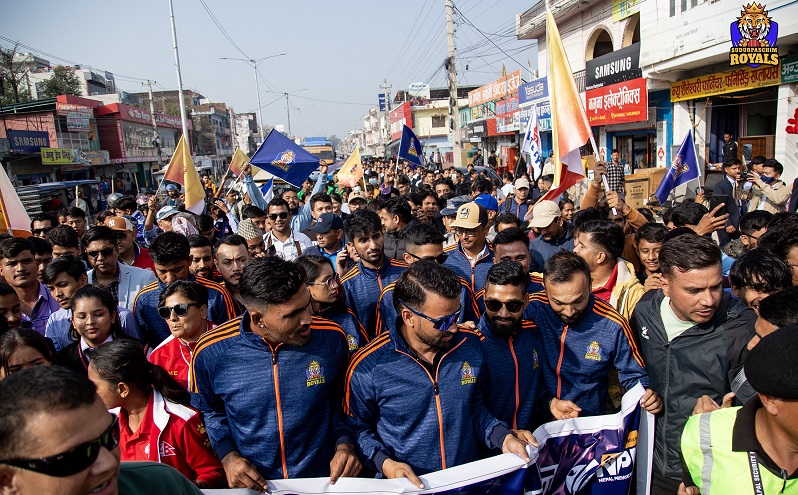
28 141
65 109
57 156
789 69
726 82
532 92
77 121
618 66
477 130
496 90
543 109
507 118
618 103
621 9
100 157
383 102
401 115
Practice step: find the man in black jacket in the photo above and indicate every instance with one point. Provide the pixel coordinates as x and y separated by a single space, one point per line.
693 338
395 215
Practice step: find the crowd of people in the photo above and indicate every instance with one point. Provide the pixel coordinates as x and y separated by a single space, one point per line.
423 320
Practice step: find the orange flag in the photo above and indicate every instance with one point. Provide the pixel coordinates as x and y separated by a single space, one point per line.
182 170
351 172
14 218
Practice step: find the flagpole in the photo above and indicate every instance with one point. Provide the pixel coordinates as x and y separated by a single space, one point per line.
181 98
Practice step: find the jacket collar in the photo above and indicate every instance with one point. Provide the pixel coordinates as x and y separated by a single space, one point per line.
372 273
486 251
486 329
728 309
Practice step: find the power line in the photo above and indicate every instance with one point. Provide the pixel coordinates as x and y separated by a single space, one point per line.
224 32
486 36
409 35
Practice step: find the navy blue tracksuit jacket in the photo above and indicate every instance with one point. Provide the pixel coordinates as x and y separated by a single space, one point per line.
363 286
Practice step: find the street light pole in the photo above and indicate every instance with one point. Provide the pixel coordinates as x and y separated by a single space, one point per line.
288 113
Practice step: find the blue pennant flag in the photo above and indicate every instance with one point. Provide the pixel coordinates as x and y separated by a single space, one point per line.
266 190
410 148
684 167
282 158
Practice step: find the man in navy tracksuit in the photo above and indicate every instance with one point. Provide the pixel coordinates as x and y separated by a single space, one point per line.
583 339
424 242
170 255
413 395
364 283
269 384
514 389
472 256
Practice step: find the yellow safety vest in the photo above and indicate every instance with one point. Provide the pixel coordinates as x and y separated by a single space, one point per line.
715 468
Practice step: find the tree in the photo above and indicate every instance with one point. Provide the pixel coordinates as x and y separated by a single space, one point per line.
63 82
12 77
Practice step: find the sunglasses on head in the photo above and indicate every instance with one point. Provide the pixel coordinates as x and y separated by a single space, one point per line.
513 306
440 259
43 230
181 309
442 324
282 215
106 252
74 460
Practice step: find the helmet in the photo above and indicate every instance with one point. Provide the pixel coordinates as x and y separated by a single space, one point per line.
112 199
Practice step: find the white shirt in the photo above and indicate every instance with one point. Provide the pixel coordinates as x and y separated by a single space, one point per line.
287 250
507 189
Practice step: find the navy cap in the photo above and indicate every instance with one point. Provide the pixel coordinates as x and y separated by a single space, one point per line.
326 223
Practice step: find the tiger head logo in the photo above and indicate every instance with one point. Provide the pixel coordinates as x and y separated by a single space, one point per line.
754 26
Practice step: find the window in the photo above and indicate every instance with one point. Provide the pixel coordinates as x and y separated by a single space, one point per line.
438 121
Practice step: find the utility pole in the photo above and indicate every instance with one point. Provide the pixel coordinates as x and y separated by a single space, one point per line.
156 138
454 114
288 112
260 115
181 97
384 140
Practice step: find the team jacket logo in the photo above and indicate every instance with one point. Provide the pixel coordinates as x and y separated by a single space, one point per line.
352 343
593 351
284 159
164 450
467 375
753 37
315 374
535 360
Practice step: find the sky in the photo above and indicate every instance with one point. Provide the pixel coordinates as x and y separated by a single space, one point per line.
338 52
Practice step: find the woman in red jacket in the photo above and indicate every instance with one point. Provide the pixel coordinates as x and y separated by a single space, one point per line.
155 421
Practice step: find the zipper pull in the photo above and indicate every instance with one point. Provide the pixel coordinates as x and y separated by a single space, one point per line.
274 357
435 387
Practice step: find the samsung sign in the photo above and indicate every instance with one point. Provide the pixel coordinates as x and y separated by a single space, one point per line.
618 66
28 141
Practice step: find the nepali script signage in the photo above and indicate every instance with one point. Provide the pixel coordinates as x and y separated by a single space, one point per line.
618 66
57 156
504 86
618 103
789 69
726 82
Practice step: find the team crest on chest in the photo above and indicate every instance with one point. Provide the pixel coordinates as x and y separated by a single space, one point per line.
535 359
467 375
315 374
593 351
350 339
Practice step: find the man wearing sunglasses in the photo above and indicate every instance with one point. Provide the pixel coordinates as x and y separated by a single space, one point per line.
42 224
121 280
424 242
282 240
364 283
56 436
584 338
269 384
472 256
514 388
425 412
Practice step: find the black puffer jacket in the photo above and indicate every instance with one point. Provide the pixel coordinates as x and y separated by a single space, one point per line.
704 360
395 242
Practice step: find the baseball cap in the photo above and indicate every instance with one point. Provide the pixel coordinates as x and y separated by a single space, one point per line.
470 216
487 201
166 212
521 183
120 223
355 195
326 223
171 187
544 213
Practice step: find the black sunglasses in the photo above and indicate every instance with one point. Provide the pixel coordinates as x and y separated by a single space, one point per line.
74 460
513 306
106 252
43 230
440 259
283 215
180 310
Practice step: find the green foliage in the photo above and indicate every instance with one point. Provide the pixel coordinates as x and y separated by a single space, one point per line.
63 82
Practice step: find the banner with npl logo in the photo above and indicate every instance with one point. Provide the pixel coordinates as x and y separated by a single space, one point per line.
583 456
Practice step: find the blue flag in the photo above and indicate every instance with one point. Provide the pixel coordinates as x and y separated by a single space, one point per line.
684 167
266 190
410 148
282 158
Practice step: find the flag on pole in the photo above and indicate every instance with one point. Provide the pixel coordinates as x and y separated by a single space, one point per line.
239 160
684 168
267 191
181 170
14 219
569 124
283 158
410 148
352 171
531 144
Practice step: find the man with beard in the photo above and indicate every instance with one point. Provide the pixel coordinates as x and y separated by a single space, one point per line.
553 234
514 390
364 283
201 257
258 416
230 258
583 339
413 396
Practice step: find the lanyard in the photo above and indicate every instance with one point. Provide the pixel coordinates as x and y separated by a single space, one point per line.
756 477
